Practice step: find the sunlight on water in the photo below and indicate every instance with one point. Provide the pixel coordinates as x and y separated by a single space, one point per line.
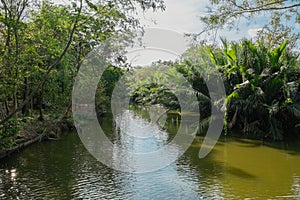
235 169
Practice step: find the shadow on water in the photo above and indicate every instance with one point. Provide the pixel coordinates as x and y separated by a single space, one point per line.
59 170
210 168
247 142
290 147
235 169
239 172
39 165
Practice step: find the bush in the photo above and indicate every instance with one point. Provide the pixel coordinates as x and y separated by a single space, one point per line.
8 132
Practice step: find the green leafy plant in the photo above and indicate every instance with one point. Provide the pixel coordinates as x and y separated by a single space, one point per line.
8 132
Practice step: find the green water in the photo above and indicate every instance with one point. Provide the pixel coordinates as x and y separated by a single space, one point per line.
235 169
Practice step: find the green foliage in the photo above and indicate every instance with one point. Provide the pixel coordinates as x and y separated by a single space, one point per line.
106 86
262 86
10 128
280 18
8 132
147 89
42 47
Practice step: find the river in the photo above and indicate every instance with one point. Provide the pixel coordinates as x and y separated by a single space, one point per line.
235 169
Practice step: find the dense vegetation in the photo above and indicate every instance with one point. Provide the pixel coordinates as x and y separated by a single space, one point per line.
262 86
43 45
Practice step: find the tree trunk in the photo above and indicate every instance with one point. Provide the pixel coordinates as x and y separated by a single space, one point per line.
25 110
53 66
15 99
68 111
40 101
6 106
233 121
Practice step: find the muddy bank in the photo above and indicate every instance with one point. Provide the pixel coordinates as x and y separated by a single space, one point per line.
37 132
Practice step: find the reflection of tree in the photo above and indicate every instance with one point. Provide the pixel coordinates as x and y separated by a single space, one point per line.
207 171
46 173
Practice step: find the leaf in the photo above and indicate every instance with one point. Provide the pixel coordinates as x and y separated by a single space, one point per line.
276 132
233 95
294 108
276 54
91 5
212 56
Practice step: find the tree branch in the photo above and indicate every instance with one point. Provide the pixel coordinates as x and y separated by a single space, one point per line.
53 66
258 7
264 8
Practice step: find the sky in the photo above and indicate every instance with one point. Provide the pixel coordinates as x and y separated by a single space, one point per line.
182 16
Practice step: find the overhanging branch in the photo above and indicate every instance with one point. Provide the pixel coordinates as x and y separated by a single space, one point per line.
52 67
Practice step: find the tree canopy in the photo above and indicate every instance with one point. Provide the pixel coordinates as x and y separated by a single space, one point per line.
43 44
281 17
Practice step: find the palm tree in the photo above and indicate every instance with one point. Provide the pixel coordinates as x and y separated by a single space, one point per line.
262 86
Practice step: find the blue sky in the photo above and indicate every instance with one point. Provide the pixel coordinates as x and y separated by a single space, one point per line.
183 16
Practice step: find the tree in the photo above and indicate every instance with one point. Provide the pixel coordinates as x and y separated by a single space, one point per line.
11 19
53 41
262 86
282 15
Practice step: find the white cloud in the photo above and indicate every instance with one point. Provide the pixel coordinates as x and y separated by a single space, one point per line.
252 32
180 15
183 16
158 44
147 57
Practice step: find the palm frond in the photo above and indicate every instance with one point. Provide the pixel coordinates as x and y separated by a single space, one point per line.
294 108
275 131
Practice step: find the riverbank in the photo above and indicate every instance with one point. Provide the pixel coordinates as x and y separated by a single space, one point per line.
36 131
234 169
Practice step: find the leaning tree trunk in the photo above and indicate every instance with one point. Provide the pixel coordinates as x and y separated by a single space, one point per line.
6 106
45 77
232 123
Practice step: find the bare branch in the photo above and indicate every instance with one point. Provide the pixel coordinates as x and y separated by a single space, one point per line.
264 8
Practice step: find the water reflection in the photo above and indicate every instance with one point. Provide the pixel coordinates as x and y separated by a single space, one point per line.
235 169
